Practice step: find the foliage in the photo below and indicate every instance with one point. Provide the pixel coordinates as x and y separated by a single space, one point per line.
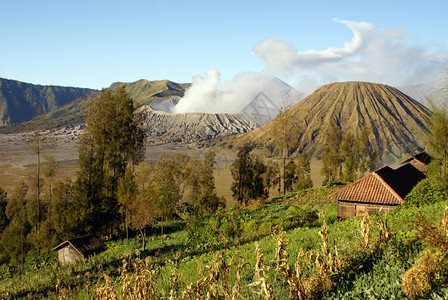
303 172
247 172
438 126
360 257
348 151
3 195
272 176
112 141
426 192
368 152
331 156
284 133
203 194
429 190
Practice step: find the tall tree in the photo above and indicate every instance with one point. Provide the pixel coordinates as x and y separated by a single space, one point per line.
145 210
331 156
438 140
285 135
241 170
13 239
3 217
50 168
168 187
349 155
368 153
127 193
272 177
62 211
291 177
37 142
203 194
34 214
247 173
303 172
111 144
3 194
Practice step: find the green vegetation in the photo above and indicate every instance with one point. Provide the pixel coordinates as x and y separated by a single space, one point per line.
346 157
296 254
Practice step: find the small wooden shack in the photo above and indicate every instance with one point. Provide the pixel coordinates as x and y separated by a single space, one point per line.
78 248
383 189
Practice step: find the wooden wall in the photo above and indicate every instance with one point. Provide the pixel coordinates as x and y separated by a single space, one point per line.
351 209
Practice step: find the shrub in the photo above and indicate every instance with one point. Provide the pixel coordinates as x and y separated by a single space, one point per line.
427 191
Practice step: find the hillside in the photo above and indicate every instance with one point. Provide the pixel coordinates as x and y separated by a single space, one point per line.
398 123
149 92
142 91
20 101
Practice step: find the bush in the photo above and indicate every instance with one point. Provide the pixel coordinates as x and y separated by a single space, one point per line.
427 191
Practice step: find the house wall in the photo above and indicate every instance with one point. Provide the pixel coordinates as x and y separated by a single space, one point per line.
68 255
351 209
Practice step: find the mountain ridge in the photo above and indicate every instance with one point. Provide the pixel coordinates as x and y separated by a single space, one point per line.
142 91
399 124
21 101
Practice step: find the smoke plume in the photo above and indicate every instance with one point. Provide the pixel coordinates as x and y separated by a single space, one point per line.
209 95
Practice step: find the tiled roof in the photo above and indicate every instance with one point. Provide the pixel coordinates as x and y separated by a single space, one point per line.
372 188
420 161
386 185
85 245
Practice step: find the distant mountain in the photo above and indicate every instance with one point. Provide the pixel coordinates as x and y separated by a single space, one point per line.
142 91
20 101
398 123
149 92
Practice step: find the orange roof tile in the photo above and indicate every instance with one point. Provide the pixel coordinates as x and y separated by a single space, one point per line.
372 188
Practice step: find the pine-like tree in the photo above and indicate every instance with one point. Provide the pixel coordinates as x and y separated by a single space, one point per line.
331 155
438 140
290 175
303 172
349 155
13 239
247 173
111 144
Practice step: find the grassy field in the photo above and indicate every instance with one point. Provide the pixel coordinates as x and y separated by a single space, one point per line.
319 256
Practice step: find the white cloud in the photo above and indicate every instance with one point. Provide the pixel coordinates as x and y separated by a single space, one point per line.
376 55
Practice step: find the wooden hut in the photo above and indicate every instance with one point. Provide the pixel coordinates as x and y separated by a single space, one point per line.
78 248
382 189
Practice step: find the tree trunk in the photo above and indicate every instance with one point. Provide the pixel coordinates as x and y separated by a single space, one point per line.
144 239
22 251
161 227
444 165
38 196
284 171
127 229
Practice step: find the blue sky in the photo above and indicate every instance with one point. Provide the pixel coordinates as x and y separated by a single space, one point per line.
95 43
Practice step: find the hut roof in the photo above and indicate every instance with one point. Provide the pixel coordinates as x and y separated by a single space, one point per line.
85 245
386 185
372 188
420 161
